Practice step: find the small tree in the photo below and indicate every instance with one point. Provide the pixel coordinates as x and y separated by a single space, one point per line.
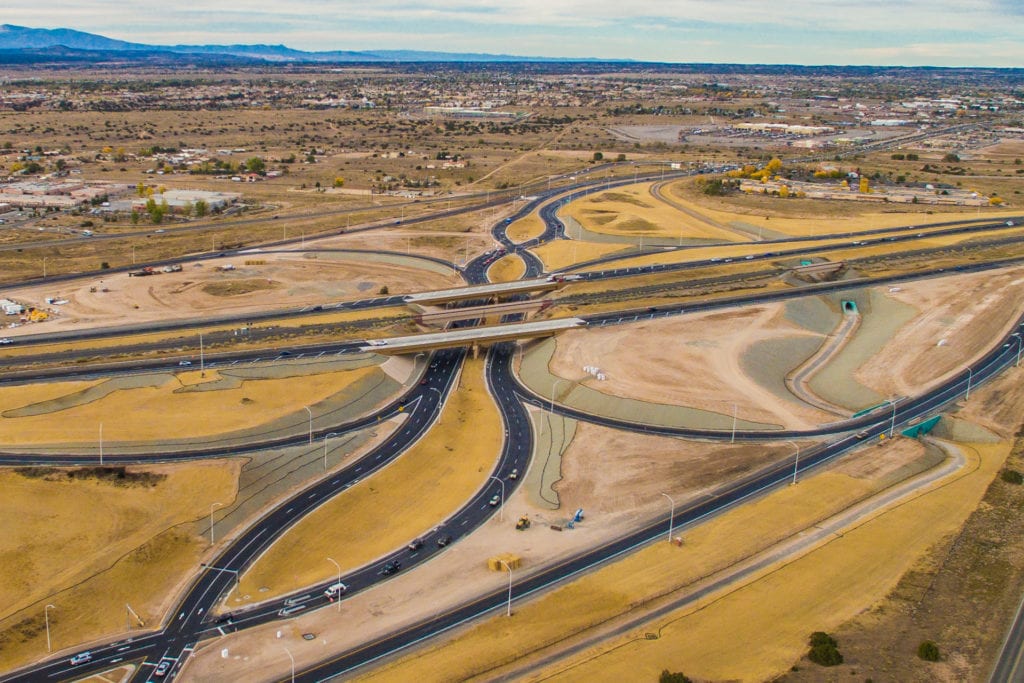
255 165
928 651
200 208
1012 477
951 158
673 677
824 649
598 156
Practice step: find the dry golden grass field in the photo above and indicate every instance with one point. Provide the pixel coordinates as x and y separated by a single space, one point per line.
252 403
749 632
89 545
390 508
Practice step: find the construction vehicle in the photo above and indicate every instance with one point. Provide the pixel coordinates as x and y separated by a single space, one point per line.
523 523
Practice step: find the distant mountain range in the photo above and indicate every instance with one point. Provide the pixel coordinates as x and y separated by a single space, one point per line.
19 44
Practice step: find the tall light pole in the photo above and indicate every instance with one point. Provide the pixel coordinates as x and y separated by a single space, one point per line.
327 436
508 611
970 376
293 663
671 514
796 459
44 266
501 508
1019 339
46 618
101 444
335 563
735 409
310 424
212 507
202 363
892 420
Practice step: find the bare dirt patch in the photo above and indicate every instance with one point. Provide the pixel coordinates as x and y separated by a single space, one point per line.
237 287
271 280
958 318
693 360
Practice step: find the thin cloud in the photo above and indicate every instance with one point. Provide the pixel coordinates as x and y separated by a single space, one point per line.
804 31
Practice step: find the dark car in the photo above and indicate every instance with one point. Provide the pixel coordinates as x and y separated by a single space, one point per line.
442 541
391 568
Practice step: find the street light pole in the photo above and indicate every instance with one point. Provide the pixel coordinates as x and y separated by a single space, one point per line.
46 618
212 507
671 515
970 376
1019 339
293 663
508 611
334 562
796 460
310 424
101 444
501 508
202 362
735 408
326 436
892 420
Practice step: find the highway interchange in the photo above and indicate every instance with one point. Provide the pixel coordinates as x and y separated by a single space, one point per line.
193 618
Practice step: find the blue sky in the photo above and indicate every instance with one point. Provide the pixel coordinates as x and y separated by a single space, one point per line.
899 32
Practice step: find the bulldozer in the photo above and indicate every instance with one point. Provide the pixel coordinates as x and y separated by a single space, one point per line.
523 523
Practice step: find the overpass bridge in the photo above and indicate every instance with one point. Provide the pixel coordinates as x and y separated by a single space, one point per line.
493 291
442 316
474 337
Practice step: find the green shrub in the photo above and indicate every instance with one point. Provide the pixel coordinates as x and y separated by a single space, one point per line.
928 651
822 638
1012 477
824 649
673 677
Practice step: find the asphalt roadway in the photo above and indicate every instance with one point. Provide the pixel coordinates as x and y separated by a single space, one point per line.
191 621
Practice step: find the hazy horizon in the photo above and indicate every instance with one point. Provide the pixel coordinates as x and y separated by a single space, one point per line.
982 33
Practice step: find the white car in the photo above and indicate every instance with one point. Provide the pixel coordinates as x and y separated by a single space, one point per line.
5 340
335 589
